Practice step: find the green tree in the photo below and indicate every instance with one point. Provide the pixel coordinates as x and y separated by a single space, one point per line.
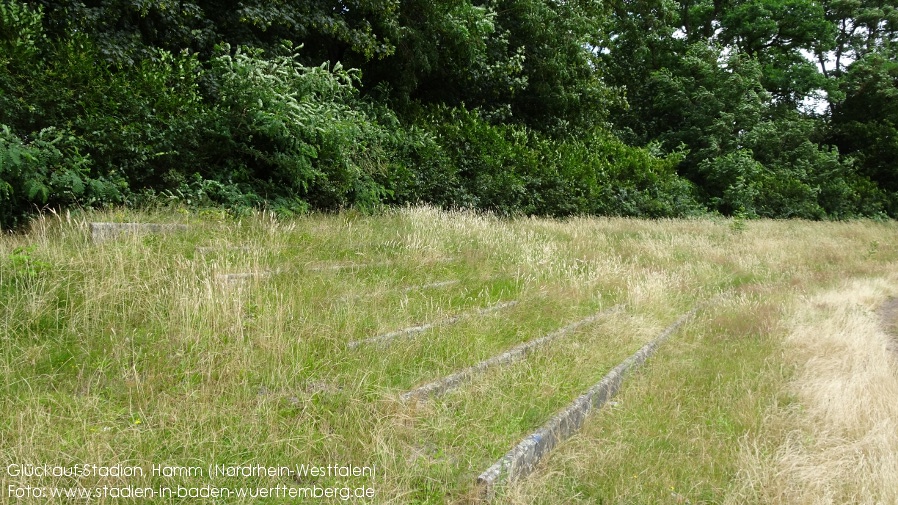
779 34
128 30
448 52
564 92
865 122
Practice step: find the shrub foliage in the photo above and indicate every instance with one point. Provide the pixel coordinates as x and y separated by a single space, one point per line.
518 107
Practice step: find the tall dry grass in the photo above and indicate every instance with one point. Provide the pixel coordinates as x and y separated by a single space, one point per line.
836 441
138 351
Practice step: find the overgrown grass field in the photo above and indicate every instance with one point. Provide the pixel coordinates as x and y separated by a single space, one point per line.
246 343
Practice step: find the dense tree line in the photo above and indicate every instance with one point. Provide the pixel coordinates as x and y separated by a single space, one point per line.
772 108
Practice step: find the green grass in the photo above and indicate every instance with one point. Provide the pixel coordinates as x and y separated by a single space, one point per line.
136 352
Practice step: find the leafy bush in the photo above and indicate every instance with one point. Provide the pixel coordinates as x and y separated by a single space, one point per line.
511 169
47 171
96 115
81 133
292 132
782 173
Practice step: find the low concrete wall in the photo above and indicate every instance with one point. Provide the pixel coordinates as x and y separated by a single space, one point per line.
523 458
223 249
450 382
386 337
245 276
106 231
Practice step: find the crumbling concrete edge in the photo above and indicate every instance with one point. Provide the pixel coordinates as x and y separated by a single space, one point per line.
227 248
523 458
386 337
245 276
348 265
326 267
105 231
407 289
431 285
450 382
